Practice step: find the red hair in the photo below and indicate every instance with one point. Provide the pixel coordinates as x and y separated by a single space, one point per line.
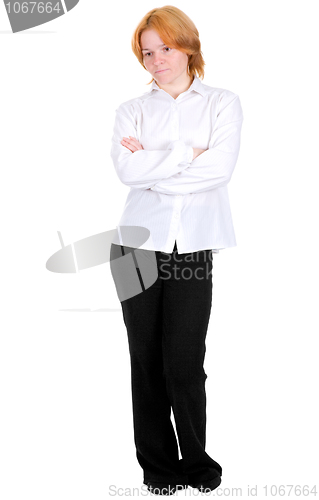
177 31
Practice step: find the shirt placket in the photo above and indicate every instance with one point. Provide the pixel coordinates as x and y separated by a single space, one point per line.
178 199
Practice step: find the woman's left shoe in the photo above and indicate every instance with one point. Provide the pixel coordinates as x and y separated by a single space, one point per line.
164 489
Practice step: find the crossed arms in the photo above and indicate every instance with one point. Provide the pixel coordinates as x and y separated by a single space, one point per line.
174 171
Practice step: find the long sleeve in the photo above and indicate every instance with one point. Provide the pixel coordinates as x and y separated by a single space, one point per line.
214 167
143 168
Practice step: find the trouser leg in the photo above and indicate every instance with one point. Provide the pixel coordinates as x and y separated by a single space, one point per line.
154 435
187 298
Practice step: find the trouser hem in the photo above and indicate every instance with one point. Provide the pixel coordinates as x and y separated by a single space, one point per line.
173 481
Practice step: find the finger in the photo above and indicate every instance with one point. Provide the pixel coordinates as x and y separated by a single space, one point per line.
135 142
126 142
132 143
130 147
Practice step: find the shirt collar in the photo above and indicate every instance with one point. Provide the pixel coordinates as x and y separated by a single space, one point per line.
196 85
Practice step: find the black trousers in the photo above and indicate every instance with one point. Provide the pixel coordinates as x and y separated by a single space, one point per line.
166 327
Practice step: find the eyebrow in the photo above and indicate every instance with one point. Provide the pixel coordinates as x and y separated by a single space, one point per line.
159 46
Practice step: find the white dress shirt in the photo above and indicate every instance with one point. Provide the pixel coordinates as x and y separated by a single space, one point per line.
172 195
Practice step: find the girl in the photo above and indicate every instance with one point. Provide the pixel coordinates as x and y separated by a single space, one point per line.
176 147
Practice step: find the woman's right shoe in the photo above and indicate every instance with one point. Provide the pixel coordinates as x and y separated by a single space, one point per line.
164 489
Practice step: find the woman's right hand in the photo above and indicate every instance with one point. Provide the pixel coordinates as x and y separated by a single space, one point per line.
131 143
198 152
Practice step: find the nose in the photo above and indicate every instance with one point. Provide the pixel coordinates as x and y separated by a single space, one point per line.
158 59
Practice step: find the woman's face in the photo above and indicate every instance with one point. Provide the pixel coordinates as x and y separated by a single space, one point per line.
158 57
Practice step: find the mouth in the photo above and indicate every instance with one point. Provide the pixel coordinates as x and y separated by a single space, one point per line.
161 71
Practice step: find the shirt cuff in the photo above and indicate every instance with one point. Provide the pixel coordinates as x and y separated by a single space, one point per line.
190 153
187 151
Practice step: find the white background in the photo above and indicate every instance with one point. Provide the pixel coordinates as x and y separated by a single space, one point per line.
66 417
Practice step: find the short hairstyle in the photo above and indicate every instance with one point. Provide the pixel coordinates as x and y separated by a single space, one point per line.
177 31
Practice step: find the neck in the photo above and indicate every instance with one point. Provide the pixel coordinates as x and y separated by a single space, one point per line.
177 88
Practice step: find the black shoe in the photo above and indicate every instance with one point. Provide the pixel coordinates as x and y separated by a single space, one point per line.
206 486
164 489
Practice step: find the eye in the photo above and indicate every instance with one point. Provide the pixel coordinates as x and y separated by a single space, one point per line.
167 48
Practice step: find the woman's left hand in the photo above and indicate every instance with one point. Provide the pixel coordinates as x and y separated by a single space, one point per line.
131 143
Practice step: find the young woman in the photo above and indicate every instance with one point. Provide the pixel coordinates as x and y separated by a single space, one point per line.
176 147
